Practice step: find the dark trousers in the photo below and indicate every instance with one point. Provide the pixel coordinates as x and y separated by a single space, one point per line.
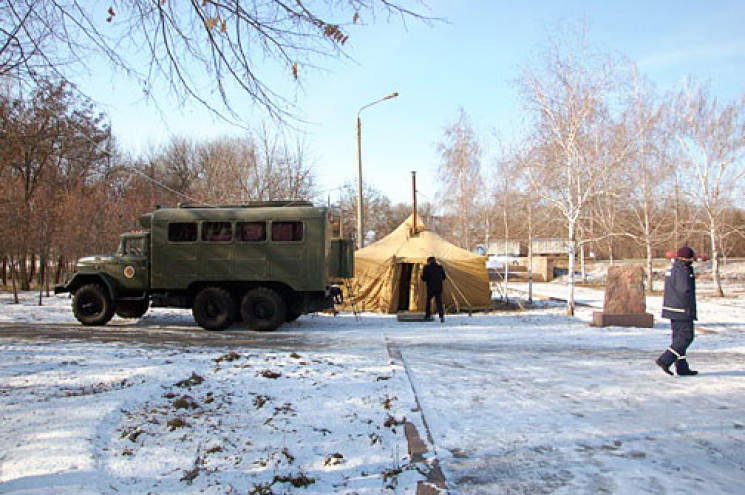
682 338
438 301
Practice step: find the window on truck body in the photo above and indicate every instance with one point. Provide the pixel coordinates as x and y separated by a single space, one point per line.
250 232
217 232
287 231
333 221
182 232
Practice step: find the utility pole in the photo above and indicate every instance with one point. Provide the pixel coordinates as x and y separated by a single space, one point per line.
360 223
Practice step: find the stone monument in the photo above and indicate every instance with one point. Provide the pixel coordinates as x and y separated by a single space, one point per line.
625 304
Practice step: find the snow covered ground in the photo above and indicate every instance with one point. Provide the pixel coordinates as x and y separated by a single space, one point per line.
529 402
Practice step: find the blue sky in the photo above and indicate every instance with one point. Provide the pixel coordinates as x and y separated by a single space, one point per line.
470 62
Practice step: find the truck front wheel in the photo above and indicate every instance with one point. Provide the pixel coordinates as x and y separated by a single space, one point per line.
92 305
263 309
214 308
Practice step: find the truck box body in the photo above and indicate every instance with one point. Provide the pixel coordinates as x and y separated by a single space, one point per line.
240 244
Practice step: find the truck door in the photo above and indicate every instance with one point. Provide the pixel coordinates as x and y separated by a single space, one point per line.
287 253
215 260
133 263
250 250
174 257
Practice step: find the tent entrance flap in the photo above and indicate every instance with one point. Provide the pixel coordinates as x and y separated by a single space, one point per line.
404 286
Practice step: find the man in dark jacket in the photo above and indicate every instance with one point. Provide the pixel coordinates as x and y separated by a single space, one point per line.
679 305
433 275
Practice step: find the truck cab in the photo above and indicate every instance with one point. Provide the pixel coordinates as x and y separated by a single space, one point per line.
107 284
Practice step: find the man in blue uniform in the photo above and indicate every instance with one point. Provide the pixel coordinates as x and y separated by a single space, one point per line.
433 275
679 306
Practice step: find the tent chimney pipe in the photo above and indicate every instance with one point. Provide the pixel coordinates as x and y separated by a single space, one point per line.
413 190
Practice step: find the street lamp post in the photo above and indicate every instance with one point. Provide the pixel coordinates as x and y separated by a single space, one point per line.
360 223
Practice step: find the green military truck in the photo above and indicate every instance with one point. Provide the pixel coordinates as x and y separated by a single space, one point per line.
264 262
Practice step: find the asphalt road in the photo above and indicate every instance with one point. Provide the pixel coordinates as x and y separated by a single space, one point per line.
158 336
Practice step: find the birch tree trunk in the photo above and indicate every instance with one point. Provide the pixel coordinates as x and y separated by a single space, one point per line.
572 256
715 263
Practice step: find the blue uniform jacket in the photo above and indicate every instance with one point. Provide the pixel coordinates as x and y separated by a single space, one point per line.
679 302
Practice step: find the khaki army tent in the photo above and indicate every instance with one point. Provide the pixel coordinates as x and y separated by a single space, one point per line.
387 273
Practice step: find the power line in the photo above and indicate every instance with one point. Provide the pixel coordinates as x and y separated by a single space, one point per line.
158 183
132 169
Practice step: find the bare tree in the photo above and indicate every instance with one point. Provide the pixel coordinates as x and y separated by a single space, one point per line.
513 205
228 170
712 139
256 167
523 213
283 170
649 170
47 142
22 41
381 216
733 235
502 205
566 96
236 45
461 179
178 164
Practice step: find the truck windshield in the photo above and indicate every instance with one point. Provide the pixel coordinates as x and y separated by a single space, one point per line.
133 246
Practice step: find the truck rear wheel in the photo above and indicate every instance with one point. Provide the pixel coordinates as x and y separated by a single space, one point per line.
293 314
214 308
92 305
263 309
294 310
132 309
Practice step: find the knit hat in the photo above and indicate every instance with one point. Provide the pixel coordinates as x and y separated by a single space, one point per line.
686 253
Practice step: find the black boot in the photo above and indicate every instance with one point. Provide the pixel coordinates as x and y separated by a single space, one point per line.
682 369
666 360
665 367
